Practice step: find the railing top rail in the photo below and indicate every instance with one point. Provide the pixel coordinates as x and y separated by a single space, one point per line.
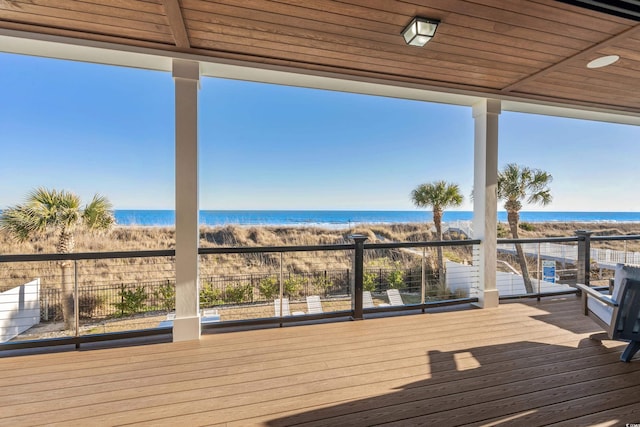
263 249
421 244
226 250
87 255
542 240
272 249
608 238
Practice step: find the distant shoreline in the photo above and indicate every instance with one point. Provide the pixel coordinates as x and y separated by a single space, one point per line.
336 219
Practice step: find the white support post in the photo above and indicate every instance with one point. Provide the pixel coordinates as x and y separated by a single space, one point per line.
186 76
485 196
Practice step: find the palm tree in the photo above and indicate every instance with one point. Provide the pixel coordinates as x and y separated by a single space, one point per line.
62 212
515 185
438 195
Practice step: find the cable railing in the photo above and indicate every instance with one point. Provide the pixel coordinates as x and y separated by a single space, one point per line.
90 296
537 267
84 297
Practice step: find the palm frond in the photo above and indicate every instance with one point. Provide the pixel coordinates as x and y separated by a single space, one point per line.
98 214
519 183
19 222
51 209
439 195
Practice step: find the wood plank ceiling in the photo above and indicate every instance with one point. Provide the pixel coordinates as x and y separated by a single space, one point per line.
533 49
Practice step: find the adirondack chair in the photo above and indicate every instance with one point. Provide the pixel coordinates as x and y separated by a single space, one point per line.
618 313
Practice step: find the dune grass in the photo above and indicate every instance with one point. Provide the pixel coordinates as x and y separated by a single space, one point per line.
135 238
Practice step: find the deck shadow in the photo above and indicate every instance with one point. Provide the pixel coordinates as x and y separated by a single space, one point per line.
525 382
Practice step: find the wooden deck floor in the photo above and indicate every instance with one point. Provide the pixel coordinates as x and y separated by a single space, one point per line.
523 363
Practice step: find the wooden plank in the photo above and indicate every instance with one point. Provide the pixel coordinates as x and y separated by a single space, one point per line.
582 11
393 23
277 402
300 374
549 10
195 370
256 10
572 59
370 337
339 62
329 46
529 27
94 10
625 396
499 404
176 23
442 398
623 414
152 32
401 327
576 92
463 53
93 18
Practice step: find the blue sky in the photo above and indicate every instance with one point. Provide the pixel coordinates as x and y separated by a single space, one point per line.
90 128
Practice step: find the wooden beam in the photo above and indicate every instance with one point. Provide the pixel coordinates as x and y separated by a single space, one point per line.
176 22
606 43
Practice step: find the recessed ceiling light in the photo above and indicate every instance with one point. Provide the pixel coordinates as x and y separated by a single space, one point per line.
603 61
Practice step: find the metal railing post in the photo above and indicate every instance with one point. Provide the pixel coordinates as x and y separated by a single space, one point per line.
584 256
281 284
76 300
423 281
358 274
539 268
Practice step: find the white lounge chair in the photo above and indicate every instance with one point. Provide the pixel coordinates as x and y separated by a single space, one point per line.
367 300
286 311
618 313
207 315
394 297
314 306
168 322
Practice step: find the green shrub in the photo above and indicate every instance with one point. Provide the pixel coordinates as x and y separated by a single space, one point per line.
322 283
503 231
369 281
210 296
238 293
269 288
131 300
293 285
165 295
526 226
396 279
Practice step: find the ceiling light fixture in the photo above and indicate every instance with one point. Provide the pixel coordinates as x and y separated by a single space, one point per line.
420 31
603 61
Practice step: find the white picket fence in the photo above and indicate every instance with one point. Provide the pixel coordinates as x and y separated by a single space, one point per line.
507 283
19 309
568 253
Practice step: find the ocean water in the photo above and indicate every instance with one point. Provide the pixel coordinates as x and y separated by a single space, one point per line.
337 219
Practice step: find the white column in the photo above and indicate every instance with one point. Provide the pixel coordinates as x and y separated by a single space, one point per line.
485 196
186 76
